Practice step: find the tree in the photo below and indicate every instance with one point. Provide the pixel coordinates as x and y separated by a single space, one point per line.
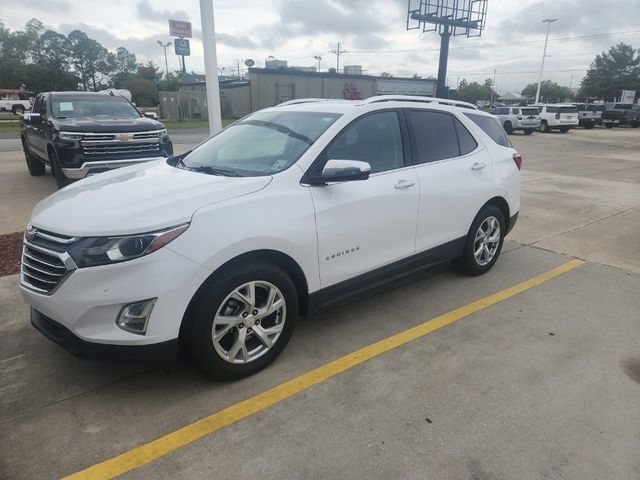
549 91
474 92
612 71
386 74
170 83
125 66
92 61
144 92
54 57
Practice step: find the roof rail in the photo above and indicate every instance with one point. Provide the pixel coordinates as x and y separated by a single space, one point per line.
297 101
418 98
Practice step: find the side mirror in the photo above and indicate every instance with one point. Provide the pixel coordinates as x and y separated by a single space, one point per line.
342 171
32 118
152 115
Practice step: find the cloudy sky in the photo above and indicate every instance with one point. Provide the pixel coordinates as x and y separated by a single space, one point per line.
373 32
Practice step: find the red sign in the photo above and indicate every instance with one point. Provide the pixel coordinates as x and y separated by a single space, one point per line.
178 28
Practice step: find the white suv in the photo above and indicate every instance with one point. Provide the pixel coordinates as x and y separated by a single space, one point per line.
526 119
558 116
289 211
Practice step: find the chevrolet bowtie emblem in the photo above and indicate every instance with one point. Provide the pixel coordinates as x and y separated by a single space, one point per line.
30 233
123 137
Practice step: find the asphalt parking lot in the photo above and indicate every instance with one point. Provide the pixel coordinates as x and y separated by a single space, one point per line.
527 372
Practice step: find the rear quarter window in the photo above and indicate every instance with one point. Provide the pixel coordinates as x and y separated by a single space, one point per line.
552 109
530 111
491 127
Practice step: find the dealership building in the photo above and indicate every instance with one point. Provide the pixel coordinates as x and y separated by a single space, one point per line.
266 87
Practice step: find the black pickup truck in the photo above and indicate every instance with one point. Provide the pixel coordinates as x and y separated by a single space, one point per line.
82 133
621 114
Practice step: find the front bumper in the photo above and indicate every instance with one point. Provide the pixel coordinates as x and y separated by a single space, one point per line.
158 353
89 168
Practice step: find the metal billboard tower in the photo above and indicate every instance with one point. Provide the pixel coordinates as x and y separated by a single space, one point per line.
447 17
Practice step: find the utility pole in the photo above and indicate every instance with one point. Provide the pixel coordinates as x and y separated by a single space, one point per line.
442 65
338 52
548 21
493 87
211 66
319 59
166 64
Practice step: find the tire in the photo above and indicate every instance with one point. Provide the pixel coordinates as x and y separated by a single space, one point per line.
609 125
544 127
635 124
470 264
564 129
17 110
214 299
61 180
508 128
588 126
36 167
528 131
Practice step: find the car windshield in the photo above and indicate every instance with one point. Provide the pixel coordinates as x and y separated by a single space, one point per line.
530 111
261 144
94 106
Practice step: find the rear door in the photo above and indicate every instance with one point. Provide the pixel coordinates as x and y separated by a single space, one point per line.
569 115
33 129
530 116
455 174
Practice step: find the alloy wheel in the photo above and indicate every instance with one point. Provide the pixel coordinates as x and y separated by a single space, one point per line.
249 322
487 241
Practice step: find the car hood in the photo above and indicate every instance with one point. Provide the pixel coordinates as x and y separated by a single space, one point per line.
108 125
136 199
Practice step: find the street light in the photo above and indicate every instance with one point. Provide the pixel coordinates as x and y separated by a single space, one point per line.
166 64
319 59
548 21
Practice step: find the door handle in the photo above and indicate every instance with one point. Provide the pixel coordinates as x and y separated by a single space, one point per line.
404 184
478 166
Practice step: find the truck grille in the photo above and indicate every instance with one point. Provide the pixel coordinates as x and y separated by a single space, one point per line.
121 143
45 263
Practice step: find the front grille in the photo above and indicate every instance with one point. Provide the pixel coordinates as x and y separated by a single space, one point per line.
108 144
45 263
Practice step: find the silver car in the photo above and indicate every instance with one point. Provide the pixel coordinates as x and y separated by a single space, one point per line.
526 119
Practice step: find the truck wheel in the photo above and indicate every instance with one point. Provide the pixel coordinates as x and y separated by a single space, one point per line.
242 319
588 126
35 166
17 109
56 169
635 124
608 125
564 129
508 128
544 127
528 131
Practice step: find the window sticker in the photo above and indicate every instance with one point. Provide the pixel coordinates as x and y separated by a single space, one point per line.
279 164
66 106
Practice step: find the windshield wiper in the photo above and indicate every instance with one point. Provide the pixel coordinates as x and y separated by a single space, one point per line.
224 172
279 128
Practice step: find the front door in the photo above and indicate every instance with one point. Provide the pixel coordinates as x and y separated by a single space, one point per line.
368 224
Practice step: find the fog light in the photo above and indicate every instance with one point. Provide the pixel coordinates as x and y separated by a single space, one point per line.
135 316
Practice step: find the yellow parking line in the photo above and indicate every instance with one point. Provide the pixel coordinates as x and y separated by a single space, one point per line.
170 442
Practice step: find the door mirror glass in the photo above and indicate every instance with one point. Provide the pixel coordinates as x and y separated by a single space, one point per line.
32 118
342 171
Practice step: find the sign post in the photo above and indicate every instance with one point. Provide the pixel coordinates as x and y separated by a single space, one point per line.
181 29
211 66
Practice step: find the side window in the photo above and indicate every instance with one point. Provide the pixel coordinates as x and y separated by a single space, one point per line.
36 105
435 135
375 139
43 107
552 109
516 111
491 127
465 139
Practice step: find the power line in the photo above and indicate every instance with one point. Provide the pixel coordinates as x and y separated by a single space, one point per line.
493 45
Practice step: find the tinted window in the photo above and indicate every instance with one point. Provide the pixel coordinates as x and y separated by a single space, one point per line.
36 105
435 135
530 111
580 106
491 127
515 111
569 109
623 106
375 139
552 109
501 111
465 140
595 108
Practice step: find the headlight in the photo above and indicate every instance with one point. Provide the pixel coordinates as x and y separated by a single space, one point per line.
69 136
93 251
162 133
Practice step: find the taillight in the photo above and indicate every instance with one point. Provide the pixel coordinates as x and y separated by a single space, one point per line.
558 116
517 158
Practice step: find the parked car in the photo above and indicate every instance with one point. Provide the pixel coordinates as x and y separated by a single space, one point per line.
80 133
621 114
589 114
526 119
292 210
14 100
558 116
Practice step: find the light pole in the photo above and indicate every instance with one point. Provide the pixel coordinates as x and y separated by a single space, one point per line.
549 21
319 59
211 66
166 64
